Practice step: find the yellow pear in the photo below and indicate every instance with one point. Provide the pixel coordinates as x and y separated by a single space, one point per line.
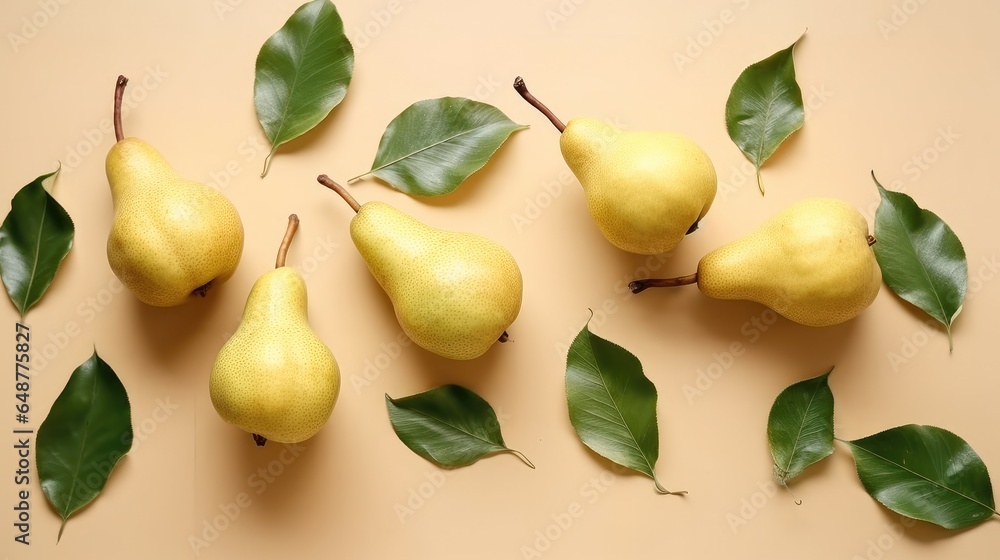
170 237
812 263
274 377
645 190
454 293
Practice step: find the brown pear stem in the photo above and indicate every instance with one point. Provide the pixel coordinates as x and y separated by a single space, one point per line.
259 440
871 240
522 89
332 185
293 225
637 286
503 337
119 93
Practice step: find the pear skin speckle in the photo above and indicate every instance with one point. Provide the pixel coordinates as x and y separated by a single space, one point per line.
275 377
454 293
810 262
169 236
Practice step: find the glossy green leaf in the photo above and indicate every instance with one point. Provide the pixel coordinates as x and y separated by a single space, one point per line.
800 427
925 473
435 144
450 426
87 431
921 258
765 107
612 404
34 239
303 71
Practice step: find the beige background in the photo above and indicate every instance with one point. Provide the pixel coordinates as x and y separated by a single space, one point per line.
905 88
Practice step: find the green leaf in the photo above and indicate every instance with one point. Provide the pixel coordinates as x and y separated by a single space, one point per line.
765 107
612 404
925 473
921 258
435 144
303 71
34 239
87 431
800 427
450 426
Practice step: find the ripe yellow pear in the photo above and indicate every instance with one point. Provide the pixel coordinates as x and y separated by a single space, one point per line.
812 263
274 377
645 190
170 237
454 293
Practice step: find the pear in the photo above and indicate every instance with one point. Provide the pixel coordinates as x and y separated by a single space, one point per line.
170 237
454 293
274 377
812 263
646 190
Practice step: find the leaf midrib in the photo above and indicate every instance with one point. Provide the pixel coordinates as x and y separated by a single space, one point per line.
913 249
456 428
295 81
428 147
624 424
801 425
918 475
83 446
34 265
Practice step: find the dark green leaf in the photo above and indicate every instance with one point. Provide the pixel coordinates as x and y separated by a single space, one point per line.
450 426
921 258
87 431
302 73
34 239
800 426
925 473
765 107
612 404
435 144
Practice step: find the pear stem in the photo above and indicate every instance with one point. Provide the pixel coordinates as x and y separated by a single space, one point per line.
637 286
871 240
259 440
504 337
293 225
522 89
332 185
119 93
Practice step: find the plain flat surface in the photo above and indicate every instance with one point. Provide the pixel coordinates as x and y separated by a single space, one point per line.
905 88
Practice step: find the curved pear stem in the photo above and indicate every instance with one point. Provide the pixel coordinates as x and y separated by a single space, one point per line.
259 440
637 286
871 240
119 94
293 225
522 89
332 185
